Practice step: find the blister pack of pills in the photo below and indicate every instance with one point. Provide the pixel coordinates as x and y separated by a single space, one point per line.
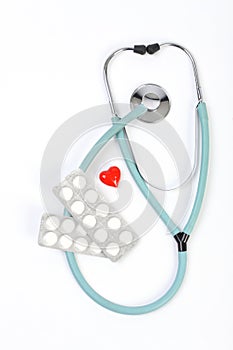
104 229
63 232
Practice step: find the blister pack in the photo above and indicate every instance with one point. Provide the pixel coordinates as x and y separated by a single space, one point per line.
63 232
94 222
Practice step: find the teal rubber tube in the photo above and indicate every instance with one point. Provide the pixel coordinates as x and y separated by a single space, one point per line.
122 309
203 117
126 152
137 112
182 256
117 129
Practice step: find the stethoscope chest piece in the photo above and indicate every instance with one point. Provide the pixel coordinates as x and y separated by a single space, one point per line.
155 99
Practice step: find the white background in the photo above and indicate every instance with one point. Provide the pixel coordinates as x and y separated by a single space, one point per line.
51 58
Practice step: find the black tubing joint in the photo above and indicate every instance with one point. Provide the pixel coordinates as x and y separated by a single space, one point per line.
182 239
153 48
140 49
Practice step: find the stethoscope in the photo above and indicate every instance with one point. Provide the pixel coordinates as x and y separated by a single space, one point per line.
143 108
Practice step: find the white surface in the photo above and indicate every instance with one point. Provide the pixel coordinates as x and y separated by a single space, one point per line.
52 54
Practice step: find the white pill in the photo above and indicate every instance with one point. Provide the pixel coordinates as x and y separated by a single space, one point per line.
94 248
102 210
79 182
112 249
49 239
114 223
67 226
126 237
89 221
77 207
65 242
91 196
101 235
80 244
52 223
66 193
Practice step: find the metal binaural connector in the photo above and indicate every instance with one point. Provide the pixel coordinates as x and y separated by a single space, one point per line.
142 50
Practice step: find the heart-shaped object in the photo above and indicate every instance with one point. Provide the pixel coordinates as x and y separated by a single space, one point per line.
111 177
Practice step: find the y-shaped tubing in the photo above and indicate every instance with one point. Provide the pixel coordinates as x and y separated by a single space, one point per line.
182 256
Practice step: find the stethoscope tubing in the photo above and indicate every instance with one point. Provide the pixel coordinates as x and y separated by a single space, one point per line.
123 309
117 129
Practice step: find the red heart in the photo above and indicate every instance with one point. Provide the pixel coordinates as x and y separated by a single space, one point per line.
111 177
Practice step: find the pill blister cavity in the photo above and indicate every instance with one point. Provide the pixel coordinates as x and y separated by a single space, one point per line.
80 231
102 210
89 221
65 242
77 207
126 237
79 182
91 196
66 193
52 223
101 235
113 249
67 226
49 238
80 244
114 223
94 248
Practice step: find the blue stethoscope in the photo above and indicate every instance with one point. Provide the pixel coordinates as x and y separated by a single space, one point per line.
117 130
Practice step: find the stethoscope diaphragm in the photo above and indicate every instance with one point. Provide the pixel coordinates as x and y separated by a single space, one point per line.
155 99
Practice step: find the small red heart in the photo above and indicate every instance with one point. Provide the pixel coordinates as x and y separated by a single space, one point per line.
111 177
